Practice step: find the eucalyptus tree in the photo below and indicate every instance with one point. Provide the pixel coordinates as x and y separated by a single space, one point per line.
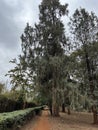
84 27
43 53
53 41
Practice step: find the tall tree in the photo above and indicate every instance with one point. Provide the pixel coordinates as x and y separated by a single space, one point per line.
84 26
43 50
53 41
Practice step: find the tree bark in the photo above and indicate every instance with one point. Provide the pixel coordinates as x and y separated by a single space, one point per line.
55 103
68 110
94 114
90 76
63 107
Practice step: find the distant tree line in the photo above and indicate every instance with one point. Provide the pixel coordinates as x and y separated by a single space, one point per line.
13 100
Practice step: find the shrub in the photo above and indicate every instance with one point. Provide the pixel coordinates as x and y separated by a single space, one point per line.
17 118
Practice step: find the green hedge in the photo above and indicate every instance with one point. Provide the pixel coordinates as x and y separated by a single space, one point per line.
17 118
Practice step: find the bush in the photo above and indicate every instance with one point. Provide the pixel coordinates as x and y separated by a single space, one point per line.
17 118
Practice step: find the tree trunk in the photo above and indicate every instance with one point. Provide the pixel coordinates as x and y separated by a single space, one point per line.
90 76
63 107
94 114
24 105
55 103
69 110
51 111
95 117
50 107
55 110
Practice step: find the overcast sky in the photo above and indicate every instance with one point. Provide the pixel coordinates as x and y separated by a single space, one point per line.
14 14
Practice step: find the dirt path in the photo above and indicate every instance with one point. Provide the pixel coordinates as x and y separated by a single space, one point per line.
76 121
43 123
38 123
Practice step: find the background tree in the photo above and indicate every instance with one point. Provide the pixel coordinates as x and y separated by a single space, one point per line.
2 88
20 80
84 27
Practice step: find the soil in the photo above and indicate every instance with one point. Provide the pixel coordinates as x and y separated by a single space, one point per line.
75 121
39 122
